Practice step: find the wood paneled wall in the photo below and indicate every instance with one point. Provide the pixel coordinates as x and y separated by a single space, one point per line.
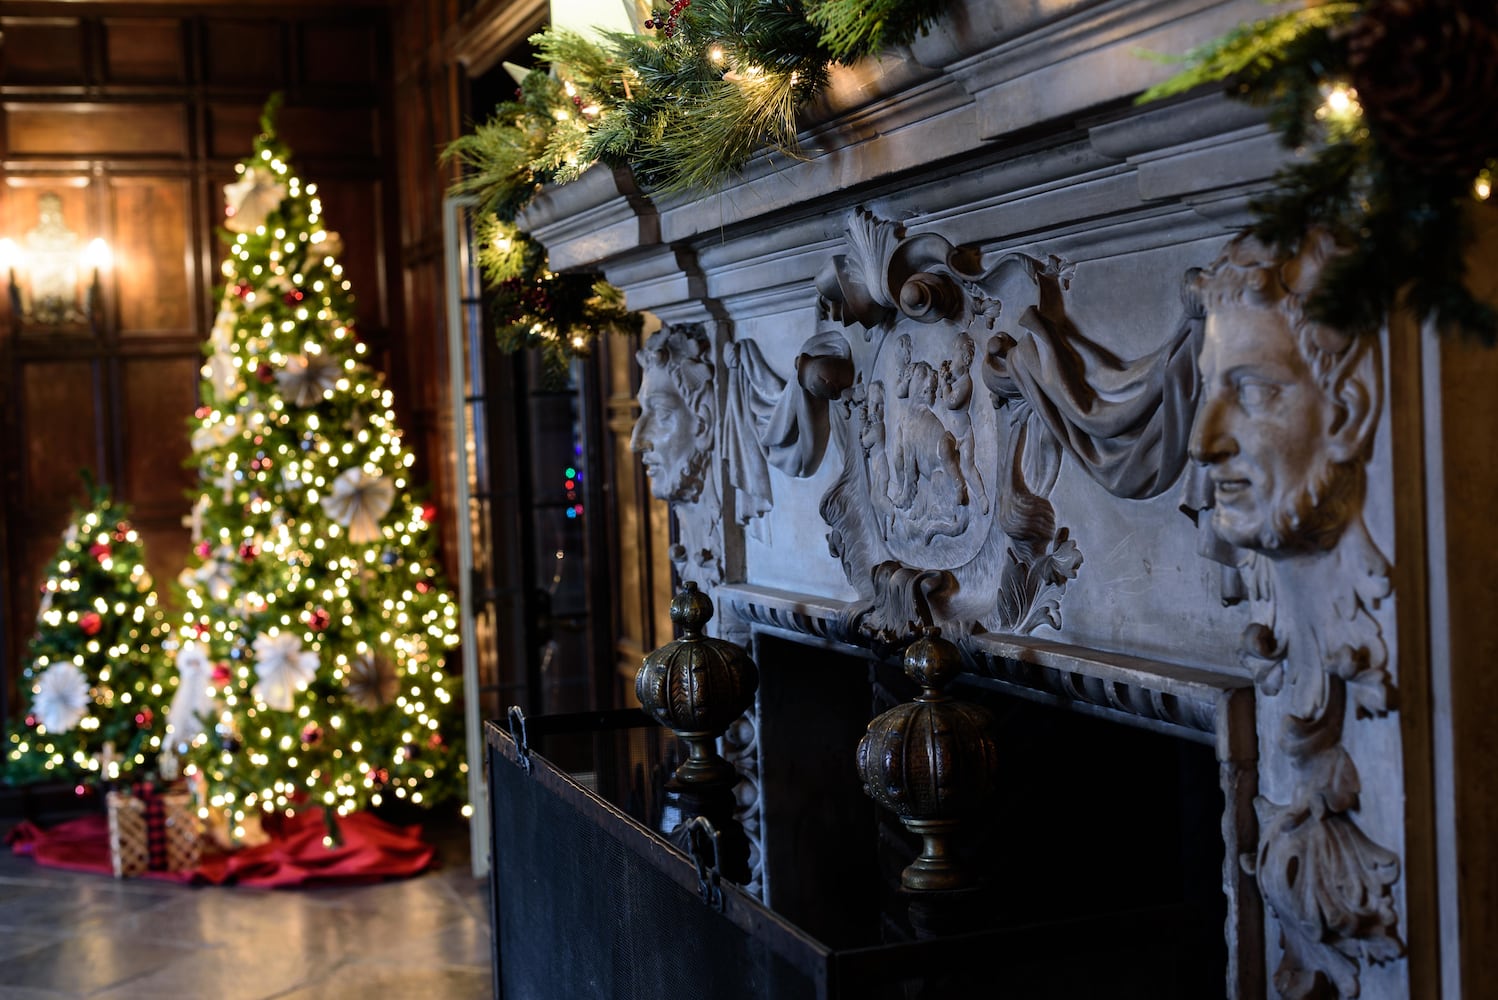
134 117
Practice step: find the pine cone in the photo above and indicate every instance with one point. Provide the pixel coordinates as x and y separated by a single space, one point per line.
1426 73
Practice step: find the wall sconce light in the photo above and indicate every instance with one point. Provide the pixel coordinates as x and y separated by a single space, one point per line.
45 268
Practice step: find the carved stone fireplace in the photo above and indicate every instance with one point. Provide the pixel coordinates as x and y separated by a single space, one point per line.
990 359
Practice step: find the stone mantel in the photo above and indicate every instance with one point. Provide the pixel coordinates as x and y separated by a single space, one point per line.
970 363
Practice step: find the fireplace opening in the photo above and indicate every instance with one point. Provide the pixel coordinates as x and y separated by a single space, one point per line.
1096 829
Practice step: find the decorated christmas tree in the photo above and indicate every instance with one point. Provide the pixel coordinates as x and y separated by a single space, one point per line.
94 680
316 623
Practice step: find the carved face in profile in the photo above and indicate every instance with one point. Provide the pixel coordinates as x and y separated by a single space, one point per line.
674 431
1286 410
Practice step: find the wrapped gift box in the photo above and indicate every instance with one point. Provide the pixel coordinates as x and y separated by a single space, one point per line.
151 829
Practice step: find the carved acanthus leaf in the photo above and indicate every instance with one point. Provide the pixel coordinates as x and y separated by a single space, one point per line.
1330 885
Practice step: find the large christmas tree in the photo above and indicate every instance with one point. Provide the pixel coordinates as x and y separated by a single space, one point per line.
313 606
94 679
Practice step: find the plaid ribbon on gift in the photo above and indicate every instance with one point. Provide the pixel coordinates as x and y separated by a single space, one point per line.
155 825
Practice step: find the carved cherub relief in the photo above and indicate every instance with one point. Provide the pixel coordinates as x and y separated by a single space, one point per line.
943 493
1285 426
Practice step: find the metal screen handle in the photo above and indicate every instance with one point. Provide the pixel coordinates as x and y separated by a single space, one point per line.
517 733
700 837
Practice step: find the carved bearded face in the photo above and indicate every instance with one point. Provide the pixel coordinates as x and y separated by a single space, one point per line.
669 438
1264 430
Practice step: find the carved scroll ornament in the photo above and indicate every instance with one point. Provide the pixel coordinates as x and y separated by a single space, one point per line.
1286 421
952 420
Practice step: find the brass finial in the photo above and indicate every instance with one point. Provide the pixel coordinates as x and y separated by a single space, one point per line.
930 762
697 686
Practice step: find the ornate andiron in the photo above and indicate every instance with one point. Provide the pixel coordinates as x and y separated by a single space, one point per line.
930 762
697 687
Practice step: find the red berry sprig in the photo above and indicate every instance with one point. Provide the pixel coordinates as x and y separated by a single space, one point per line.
667 24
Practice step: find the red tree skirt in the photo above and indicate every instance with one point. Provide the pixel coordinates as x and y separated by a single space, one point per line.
371 850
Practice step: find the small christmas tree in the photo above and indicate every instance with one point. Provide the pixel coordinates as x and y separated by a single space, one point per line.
313 608
93 674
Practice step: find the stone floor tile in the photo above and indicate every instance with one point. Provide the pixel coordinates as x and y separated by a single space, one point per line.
391 983
84 963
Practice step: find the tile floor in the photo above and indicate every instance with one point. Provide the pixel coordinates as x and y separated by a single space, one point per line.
64 934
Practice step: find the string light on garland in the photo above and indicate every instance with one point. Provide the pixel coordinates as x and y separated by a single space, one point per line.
1395 105
532 306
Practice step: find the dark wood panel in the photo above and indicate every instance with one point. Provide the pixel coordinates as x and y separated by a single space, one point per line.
348 133
244 52
338 53
43 50
310 132
154 278
144 50
351 208
60 431
97 129
157 395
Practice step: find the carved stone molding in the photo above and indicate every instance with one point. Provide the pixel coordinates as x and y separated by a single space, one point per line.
1285 427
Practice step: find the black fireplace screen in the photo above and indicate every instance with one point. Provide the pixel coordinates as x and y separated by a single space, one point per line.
590 904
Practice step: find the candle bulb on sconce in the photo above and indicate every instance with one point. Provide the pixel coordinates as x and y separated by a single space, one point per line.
9 255
97 258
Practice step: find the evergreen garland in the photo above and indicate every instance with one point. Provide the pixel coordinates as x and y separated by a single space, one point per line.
683 109
536 308
1402 216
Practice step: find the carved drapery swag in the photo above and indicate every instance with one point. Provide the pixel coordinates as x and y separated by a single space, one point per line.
941 513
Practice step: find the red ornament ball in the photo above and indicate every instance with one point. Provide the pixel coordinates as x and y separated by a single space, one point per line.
435 741
90 622
423 587
247 551
318 619
202 630
294 296
312 734
221 674
143 717
202 412
99 550
242 289
204 550
429 512
265 373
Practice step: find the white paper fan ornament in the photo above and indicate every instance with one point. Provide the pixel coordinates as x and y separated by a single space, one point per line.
305 377
358 501
284 669
194 695
250 199
61 697
372 682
